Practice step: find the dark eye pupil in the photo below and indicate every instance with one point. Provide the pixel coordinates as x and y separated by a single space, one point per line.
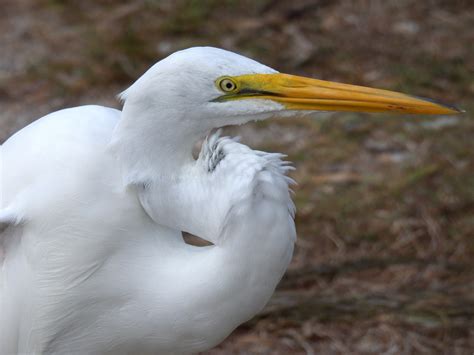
227 85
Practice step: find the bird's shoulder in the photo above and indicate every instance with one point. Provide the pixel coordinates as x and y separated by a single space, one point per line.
61 141
51 159
86 123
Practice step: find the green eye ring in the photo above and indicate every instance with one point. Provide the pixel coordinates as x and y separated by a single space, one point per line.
227 84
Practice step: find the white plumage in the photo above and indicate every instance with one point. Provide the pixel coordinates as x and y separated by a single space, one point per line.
87 270
94 200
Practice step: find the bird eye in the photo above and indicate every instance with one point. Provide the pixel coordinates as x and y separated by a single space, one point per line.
227 85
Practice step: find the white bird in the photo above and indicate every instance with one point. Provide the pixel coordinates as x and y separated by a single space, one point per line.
94 202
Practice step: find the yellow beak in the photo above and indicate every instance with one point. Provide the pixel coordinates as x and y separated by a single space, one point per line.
300 93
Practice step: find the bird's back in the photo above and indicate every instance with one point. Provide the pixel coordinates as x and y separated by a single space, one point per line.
61 141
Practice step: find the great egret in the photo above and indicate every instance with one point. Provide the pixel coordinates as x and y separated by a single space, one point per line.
94 202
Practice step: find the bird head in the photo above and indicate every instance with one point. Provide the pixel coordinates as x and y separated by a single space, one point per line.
209 87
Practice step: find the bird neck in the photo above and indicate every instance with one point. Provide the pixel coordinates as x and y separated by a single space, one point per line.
216 287
153 144
154 150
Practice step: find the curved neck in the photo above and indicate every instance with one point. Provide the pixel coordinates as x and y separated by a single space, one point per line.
154 149
151 144
218 287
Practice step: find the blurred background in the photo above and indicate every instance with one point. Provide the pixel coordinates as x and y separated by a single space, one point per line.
384 262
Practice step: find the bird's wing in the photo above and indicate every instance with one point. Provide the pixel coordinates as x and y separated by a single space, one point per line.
36 161
46 168
41 154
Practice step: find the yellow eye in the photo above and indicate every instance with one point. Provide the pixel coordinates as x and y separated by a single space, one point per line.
227 85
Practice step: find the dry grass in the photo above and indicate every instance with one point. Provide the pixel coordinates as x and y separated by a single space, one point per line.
384 261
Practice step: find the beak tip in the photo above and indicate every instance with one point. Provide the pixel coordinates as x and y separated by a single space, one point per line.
451 109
